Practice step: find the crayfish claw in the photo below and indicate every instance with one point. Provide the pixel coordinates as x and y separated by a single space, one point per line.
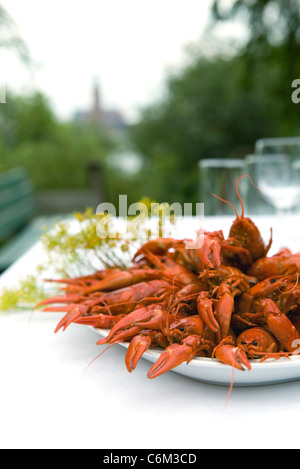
206 313
99 321
148 317
231 355
174 355
67 320
137 347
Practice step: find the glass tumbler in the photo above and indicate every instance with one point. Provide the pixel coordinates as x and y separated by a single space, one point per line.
255 202
219 176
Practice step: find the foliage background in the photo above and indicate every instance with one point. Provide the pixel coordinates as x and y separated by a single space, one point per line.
219 105
216 106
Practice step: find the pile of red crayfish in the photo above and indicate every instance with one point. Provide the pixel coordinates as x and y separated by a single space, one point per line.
225 300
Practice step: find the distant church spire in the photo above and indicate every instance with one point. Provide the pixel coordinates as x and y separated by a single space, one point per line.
96 96
112 119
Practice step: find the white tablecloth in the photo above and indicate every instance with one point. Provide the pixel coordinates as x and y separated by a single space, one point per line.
49 399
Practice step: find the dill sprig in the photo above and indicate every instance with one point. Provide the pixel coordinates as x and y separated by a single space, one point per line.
74 247
26 294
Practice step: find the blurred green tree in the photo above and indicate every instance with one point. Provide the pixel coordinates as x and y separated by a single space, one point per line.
272 47
218 106
55 154
206 114
269 22
10 39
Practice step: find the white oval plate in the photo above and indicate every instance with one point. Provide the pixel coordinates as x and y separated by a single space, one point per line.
214 372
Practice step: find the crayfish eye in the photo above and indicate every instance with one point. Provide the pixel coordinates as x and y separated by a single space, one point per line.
254 343
181 329
243 342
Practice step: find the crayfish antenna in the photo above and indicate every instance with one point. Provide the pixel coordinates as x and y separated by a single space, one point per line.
94 359
230 389
295 286
227 202
239 196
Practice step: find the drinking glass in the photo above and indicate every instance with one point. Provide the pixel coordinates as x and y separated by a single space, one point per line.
219 176
277 170
255 202
278 178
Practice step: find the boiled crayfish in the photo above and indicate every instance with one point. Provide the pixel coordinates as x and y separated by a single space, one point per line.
223 300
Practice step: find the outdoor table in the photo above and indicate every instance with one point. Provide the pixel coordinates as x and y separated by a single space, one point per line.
51 398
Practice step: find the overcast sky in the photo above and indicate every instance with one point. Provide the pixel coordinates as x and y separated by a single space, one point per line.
129 45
